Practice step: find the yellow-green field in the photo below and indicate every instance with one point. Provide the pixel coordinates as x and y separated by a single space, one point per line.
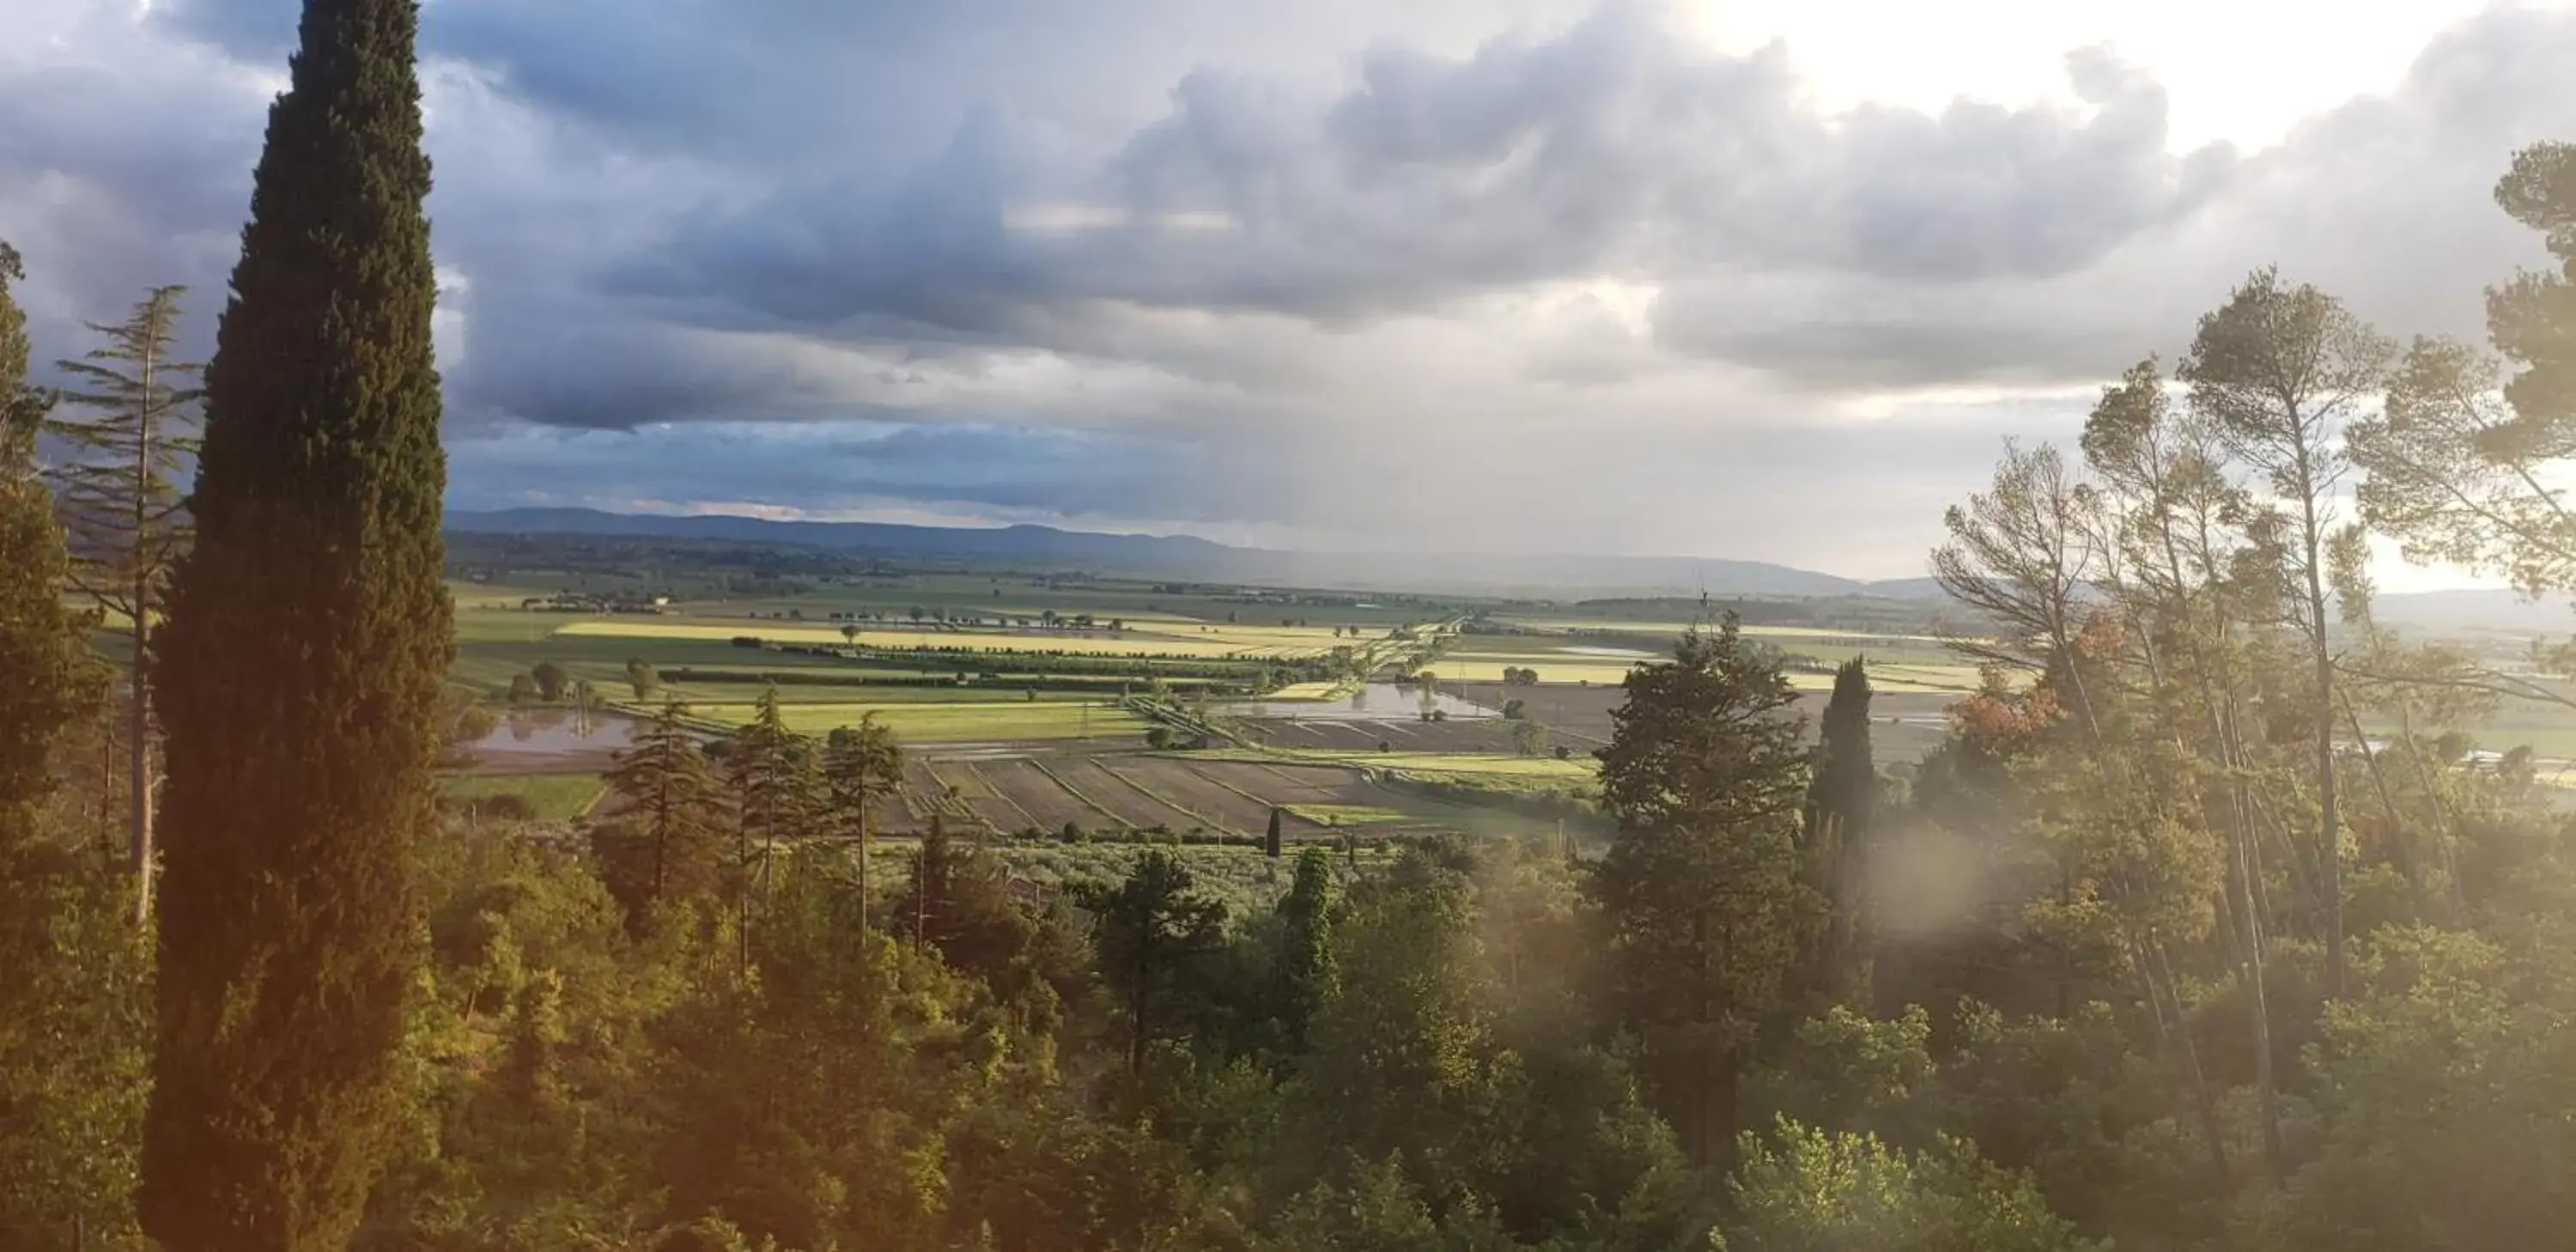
1551 667
1912 668
1571 624
1307 691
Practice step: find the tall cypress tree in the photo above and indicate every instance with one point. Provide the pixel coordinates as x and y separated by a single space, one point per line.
299 672
1840 800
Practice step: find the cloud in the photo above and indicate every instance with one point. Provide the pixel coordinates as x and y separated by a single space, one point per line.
1536 273
1613 146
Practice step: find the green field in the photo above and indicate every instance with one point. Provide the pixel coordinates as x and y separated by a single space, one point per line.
954 721
1607 672
1353 815
555 797
1208 644
1494 772
1668 629
1905 664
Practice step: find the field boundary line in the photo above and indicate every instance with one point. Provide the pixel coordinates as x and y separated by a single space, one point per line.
1168 802
1077 793
1029 819
951 801
1283 806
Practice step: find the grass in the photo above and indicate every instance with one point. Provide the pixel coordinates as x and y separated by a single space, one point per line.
1671 628
957 721
1353 815
555 797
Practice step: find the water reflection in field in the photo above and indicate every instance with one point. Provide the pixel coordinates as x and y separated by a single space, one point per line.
1371 702
553 732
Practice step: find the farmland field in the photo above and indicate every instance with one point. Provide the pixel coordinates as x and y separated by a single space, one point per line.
1012 791
1903 724
1561 667
1008 752
1396 732
1525 773
1906 664
949 721
1669 629
1175 642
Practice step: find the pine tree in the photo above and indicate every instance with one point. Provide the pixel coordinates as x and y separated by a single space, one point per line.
1840 802
861 765
669 849
299 672
777 797
1701 891
1147 931
122 510
2280 372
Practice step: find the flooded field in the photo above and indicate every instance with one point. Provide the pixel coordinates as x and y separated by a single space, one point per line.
1373 702
522 739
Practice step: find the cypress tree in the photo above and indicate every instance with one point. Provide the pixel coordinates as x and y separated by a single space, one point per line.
299 672
1840 801
1271 840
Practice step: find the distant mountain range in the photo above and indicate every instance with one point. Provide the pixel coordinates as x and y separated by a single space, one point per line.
1183 557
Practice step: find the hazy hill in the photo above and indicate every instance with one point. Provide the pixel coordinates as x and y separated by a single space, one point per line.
1158 556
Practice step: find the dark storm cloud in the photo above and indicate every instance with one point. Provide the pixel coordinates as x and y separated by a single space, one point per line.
1014 470
1612 146
1168 258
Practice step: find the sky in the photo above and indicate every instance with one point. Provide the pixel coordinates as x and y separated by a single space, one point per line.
1769 280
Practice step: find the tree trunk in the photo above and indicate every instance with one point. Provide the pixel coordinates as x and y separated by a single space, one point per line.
662 835
742 900
2330 841
2204 1104
2397 841
139 847
1143 999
